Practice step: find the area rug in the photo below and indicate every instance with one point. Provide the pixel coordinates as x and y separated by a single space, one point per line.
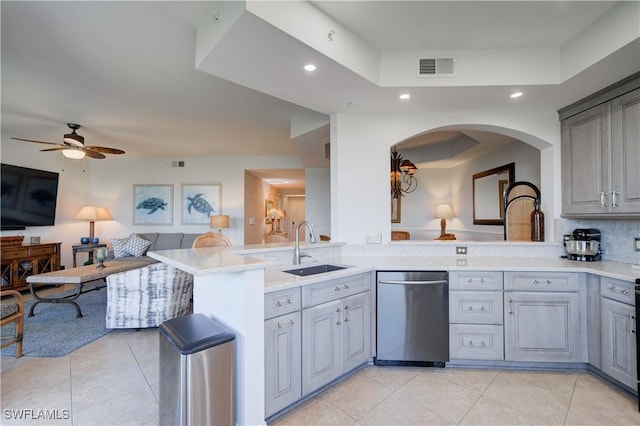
55 331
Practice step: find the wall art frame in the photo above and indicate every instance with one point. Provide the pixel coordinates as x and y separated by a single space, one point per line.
199 202
153 204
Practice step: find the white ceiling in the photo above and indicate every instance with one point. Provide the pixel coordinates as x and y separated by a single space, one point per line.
126 71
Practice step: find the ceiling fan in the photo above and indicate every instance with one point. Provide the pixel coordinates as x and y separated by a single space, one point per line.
73 146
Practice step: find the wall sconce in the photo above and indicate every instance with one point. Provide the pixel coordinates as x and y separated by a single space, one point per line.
403 180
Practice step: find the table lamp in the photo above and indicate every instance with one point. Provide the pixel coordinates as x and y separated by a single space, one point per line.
219 221
444 212
93 213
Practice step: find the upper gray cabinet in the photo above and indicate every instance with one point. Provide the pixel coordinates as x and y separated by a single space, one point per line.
601 153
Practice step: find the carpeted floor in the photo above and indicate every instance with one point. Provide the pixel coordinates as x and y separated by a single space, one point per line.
55 331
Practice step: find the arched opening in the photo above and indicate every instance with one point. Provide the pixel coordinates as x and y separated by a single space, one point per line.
447 159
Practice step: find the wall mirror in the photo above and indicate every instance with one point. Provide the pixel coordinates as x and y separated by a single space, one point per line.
488 190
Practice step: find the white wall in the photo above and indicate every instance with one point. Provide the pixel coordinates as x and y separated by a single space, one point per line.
318 199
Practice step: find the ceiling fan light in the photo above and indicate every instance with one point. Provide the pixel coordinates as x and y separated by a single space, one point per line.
74 139
74 154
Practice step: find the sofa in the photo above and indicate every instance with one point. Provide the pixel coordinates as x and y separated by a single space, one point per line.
146 297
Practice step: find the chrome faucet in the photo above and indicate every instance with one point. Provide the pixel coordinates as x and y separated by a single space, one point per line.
296 254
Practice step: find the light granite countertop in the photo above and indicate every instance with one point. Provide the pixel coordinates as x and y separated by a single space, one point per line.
209 261
275 279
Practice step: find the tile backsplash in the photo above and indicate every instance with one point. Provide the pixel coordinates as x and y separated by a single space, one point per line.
617 236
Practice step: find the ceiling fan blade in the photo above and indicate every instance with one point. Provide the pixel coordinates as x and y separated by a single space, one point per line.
105 150
93 154
30 140
60 148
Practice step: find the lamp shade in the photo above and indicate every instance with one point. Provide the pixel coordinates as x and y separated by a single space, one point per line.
93 213
444 212
220 221
74 154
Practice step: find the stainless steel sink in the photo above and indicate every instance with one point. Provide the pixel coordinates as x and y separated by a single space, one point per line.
315 269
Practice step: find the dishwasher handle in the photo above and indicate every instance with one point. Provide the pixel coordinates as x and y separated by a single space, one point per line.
401 282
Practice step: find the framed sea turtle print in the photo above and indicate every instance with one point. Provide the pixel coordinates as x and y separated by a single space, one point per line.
152 204
200 202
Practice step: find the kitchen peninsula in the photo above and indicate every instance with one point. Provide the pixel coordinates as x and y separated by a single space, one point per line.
231 283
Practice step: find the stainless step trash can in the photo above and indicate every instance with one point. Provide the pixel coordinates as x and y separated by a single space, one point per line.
196 372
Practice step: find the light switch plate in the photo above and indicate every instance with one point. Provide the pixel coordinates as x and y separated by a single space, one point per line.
636 243
461 250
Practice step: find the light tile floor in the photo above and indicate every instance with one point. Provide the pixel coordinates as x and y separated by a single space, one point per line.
114 381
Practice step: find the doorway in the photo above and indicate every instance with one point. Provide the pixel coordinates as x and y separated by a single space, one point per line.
295 206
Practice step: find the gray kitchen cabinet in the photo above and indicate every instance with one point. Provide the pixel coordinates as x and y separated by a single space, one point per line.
594 345
322 345
618 331
542 317
336 335
600 153
625 153
283 362
476 315
282 349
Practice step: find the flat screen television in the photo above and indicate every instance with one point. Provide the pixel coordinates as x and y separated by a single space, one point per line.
28 197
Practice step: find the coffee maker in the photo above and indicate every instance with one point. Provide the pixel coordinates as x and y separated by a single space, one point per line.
583 245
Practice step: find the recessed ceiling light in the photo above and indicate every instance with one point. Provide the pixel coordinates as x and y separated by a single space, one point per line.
515 95
309 67
405 96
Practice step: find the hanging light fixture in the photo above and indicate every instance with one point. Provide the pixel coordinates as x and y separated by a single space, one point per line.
403 180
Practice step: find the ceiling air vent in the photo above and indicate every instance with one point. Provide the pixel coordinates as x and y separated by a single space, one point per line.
436 67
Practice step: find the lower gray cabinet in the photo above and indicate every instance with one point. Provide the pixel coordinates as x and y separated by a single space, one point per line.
336 337
283 362
542 326
618 333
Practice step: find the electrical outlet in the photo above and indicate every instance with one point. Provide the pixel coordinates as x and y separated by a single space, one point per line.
461 250
374 238
636 243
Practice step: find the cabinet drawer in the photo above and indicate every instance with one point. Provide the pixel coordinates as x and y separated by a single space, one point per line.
315 294
536 281
281 302
15 252
475 307
471 341
622 291
475 280
39 251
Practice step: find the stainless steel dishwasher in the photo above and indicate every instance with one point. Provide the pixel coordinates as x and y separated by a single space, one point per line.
413 318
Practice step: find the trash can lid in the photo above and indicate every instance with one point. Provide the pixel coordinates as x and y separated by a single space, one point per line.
196 332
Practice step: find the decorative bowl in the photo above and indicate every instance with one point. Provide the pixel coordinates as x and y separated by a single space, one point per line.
84 240
95 240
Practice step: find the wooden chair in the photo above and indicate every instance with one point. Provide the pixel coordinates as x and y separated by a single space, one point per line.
12 307
274 238
519 201
211 239
400 235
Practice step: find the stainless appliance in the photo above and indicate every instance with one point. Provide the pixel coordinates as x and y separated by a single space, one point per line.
412 318
637 338
583 245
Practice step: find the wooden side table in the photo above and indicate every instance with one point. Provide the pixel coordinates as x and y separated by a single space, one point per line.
85 248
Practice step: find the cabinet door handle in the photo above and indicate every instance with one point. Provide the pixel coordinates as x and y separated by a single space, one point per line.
346 287
536 282
510 306
614 198
278 325
278 303
603 204
289 301
337 289
338 310
615 289
338 322
482 280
